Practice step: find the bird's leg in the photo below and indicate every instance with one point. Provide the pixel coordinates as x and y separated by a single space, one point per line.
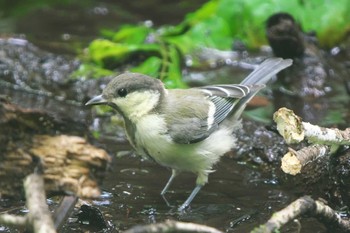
173 174
202 179
190 198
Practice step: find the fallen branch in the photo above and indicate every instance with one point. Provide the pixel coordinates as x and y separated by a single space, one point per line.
304 205
172 226
289 125
294 130
13 221
38 219
326 136
294 161
39 216
325 140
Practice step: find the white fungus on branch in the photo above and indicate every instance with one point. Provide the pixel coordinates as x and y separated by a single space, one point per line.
294 130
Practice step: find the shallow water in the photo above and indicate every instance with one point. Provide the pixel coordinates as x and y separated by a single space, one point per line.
236 199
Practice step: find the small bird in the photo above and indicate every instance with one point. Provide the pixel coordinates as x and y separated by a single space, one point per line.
183 129
285 36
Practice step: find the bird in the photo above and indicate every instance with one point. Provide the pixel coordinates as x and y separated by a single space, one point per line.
285 36
183 129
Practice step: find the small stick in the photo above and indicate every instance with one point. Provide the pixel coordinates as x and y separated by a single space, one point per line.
38 219
39 215
301 206
173 226
294 130
294 161
13 221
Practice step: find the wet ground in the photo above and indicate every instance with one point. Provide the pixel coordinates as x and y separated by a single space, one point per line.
247 186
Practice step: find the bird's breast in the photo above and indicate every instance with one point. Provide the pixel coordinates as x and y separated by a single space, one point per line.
152 139
151 136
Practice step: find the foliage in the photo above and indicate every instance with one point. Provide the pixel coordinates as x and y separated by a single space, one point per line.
159 52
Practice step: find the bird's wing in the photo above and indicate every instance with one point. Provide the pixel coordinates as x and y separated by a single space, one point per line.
225 97
187 115
190 130
201 110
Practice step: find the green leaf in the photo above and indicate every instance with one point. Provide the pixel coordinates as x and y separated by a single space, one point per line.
206 11
130 34
213 32
150 67
104 51
90 70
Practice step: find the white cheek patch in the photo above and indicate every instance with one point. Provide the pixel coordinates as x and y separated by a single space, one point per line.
211 113
137 104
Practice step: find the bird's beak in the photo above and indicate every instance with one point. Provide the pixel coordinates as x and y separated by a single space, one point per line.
96 101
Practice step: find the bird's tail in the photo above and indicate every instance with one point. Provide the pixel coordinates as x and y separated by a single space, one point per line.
266 70
257 80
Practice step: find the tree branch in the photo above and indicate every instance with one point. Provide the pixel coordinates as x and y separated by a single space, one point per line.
294 161
12 220
301 206
173 226
39 217
325 140
293 130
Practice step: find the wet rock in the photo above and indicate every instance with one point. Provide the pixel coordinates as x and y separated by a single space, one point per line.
92 217
37 79
340 188
28 67
259 143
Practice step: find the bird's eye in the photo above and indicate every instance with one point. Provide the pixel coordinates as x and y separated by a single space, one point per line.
122 92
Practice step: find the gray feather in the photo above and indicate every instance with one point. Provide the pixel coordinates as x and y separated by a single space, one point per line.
266 70
225 97
190 130
227 91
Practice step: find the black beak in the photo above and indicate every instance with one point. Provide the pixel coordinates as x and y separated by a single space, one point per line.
96 101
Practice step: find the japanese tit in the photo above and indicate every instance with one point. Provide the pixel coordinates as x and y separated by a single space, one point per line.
184 129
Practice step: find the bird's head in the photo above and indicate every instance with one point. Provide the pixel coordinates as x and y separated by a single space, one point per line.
131 94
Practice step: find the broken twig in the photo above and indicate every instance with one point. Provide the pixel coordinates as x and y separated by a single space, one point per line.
301 206
294 161
173 226
39 217
294 130
325 140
